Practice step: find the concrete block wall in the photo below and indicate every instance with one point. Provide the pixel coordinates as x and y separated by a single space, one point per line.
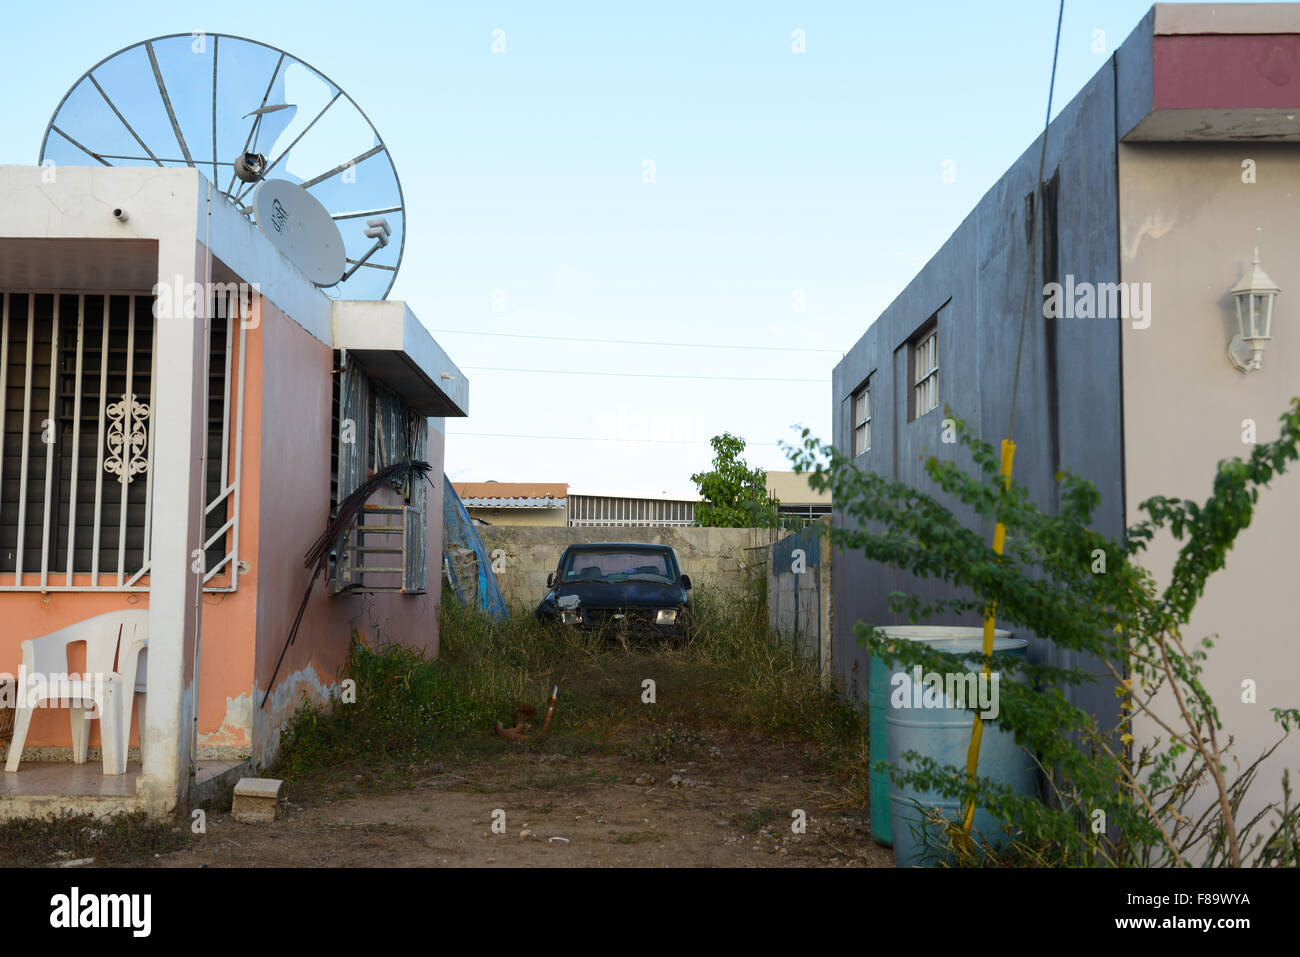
524 555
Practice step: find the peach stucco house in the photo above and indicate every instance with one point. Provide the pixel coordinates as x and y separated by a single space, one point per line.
129 478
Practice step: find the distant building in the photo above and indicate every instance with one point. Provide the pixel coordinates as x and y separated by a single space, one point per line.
555 503
796 498
593 508
515 503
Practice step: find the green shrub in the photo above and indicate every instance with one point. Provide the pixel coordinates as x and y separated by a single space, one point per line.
1106 805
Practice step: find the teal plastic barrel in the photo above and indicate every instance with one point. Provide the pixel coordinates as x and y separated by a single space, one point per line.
943 733
879 780
878 736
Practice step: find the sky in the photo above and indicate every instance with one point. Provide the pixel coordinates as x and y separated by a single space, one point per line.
637 226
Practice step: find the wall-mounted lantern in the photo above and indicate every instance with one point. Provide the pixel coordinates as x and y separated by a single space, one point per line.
1254 296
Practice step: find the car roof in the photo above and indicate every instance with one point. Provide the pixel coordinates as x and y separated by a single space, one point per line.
630 546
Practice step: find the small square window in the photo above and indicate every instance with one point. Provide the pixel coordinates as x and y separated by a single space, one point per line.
861 406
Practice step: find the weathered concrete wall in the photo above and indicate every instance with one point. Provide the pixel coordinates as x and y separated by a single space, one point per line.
289 407
522 556
1069 403
799 594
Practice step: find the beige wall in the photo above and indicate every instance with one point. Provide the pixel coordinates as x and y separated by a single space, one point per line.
521 516
791 488
1189 225
712 557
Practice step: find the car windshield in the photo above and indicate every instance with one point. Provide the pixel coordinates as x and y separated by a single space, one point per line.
616 566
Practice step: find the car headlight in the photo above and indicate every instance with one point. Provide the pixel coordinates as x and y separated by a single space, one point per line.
570 617
666 616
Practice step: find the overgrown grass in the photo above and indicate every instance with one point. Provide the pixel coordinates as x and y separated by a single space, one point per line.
412 712
37 842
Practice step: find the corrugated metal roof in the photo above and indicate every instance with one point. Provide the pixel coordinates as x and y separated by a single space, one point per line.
547 502
468 490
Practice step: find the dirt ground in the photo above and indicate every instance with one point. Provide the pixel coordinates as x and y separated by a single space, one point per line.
731 808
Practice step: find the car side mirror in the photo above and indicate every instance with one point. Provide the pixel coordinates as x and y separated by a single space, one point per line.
686 581
550 579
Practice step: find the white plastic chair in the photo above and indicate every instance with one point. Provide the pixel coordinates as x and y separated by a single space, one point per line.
132 664
105 635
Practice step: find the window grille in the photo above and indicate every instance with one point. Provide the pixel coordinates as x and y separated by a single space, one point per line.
384 550
77 400
595 511
925 375
861 405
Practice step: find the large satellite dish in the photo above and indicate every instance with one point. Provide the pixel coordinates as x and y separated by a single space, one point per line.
250 117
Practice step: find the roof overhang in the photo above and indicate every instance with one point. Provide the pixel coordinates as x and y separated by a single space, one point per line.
1212 72
396 349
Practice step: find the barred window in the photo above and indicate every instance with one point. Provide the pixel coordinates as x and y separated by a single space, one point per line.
861 405
77 401
925 371
373 429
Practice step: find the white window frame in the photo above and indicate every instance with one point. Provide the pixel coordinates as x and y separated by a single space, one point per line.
925 371
861 425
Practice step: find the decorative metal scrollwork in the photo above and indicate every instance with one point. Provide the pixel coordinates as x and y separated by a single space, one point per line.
133 462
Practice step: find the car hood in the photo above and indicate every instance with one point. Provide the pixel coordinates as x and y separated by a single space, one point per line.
631 594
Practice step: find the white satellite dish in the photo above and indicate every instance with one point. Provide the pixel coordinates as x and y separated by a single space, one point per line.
301 228
239 112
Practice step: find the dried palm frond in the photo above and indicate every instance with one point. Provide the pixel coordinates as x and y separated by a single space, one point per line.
318 556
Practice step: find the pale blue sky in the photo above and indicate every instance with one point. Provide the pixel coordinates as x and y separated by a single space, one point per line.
775 172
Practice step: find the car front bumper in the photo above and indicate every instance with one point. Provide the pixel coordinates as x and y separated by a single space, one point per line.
626 621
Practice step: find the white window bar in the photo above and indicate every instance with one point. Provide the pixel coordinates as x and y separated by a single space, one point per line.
50 423
27 426
67 362
253 303
149 444
128 399
230 484
99 445
148 472
76 445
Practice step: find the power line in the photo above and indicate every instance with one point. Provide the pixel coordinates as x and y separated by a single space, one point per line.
644 375
638 342
599 438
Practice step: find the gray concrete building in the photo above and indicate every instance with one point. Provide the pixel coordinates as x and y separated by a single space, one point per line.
1174 162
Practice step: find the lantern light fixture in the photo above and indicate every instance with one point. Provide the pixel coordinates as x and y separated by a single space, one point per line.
1254 296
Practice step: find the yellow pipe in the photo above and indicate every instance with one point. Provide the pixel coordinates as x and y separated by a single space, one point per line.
990 619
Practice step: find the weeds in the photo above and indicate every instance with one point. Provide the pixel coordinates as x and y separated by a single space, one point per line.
413 712
33 842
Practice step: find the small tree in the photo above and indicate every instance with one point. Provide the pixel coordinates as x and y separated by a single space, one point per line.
1106 804
735 496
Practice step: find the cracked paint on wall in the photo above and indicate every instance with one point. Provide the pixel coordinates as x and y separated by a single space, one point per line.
236 727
